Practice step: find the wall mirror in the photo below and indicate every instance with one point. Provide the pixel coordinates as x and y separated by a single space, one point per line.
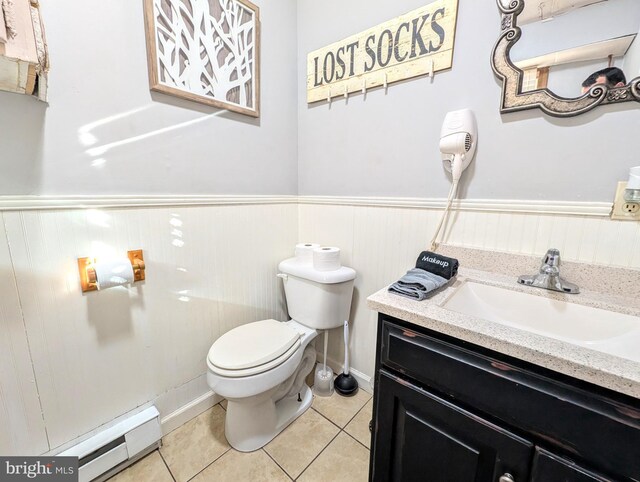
567 57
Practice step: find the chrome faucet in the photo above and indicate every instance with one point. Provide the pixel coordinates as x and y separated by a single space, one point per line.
549 276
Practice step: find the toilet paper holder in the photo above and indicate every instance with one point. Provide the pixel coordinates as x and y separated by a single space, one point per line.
88 278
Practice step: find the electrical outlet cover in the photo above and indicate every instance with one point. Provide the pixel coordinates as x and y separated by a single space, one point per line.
631 208
623 210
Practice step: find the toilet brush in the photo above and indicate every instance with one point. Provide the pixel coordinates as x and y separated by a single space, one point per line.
323 382
346 384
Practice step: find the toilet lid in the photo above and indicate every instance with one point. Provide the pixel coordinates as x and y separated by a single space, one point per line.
252 345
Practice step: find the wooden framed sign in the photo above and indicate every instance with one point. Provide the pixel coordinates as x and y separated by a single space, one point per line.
207 51
414 44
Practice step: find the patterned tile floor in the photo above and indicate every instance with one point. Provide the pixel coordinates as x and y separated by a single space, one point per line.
330 442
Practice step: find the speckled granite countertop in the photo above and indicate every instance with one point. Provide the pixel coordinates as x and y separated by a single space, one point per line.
609 371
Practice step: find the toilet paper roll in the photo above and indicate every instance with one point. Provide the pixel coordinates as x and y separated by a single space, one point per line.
112 273
326 259
304 252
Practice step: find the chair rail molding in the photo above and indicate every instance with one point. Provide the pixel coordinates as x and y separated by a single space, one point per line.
44 203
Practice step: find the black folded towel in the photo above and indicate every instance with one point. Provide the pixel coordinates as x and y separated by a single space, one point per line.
438 264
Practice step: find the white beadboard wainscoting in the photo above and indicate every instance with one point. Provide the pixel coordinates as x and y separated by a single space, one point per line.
381 240
93 357
22 428
72 362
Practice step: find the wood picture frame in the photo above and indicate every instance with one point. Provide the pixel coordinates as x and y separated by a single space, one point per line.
216 63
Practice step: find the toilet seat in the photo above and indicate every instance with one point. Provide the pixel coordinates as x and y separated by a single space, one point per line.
258 369
253 348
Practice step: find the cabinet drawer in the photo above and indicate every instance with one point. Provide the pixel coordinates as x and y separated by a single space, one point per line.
580 424
550 468
427 438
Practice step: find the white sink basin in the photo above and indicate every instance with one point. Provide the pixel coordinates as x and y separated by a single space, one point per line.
602 330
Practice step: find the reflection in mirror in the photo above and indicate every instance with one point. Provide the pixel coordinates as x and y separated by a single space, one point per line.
564 42
558 54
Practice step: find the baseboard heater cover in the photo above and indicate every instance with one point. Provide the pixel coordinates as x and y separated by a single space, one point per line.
117 445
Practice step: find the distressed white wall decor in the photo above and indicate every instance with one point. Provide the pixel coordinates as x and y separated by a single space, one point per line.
417 43
207 51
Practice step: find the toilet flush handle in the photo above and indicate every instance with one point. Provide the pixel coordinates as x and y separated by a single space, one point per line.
283 276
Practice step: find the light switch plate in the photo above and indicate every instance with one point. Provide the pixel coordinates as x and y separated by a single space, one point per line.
624 210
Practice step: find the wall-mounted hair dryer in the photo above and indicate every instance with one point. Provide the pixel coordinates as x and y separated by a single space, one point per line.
458 141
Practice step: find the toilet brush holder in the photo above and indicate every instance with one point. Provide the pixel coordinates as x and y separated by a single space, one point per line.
323 381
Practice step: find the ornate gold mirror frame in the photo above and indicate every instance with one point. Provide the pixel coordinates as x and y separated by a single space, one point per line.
513 99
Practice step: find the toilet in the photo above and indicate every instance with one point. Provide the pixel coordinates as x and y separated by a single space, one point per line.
261 367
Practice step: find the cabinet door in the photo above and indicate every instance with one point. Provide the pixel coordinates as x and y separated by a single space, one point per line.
420 437
548 467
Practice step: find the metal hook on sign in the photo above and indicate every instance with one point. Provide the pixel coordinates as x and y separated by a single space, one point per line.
364 86
431 69
329 95
386 83
346 92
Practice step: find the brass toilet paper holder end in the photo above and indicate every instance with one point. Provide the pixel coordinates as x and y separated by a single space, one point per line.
88 278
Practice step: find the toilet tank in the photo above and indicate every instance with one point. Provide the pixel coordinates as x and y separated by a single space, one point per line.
318 299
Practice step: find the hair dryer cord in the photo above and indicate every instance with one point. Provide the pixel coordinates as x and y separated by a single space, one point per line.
452 194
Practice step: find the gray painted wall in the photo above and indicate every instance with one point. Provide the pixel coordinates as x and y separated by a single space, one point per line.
105 133
147 143
387 144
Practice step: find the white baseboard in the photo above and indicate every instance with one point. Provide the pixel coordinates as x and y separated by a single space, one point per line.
101 428
177 406
364 381
182 415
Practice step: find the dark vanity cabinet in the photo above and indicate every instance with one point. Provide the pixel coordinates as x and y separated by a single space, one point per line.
449 411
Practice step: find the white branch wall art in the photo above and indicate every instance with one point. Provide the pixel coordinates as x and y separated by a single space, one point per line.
207 51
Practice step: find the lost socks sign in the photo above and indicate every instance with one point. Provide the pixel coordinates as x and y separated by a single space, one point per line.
414 44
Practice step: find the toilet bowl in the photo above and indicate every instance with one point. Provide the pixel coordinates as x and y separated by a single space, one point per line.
260 367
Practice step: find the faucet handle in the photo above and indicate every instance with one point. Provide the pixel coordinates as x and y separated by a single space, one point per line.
552 258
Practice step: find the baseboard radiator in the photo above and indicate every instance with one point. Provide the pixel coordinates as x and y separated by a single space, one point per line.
115 448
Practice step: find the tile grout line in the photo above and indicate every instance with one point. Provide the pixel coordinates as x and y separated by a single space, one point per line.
348 421
327 444
210 464
319 453
327 419
361 408
340 429
351 436
166 465
275 462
